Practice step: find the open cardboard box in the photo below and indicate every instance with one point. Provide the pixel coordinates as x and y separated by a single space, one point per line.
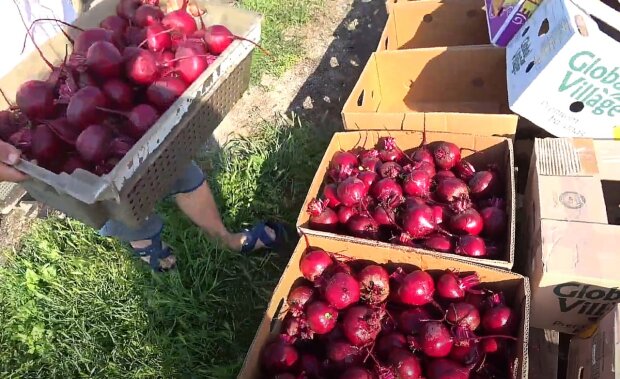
572 209
479 150
434 23
457 89
514 286
564 72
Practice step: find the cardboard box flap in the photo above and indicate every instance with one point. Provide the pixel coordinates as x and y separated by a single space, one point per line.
608 159
581 250
565 157
433 23
425 86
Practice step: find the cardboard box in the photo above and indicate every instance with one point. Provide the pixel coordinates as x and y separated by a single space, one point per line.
488 149
597 356
514 286
434 23
572 219
433 88
564 72
506 17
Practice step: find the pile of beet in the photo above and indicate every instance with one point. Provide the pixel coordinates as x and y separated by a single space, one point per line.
428 197
359 321
111 88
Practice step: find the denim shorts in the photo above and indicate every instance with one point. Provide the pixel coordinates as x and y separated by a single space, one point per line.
190 180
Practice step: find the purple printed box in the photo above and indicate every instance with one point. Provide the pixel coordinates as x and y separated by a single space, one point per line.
505 18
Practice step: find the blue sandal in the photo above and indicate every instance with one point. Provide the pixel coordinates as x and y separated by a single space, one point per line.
259 233
156 252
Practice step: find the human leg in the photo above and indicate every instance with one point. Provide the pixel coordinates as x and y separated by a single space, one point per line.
195 199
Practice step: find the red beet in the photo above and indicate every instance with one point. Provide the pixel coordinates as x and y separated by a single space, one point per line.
446 369
147 15
405 364
345 213
141 67
411 320
423 154
384 216
467 222
356 373
390 341
464 170
297 299
435 339
141 118
368 177
89 37
104 59
321 317
390 170
63 130
165 91
330 195
471 246
361 324
322 217
485 184
499 318
342 290
466 354
494 221
83 109
452 287
310 366
445 154
157 38
388 192
92 144
415 288
363 227
374 281
351 191
127 8
388 151
417 183
342 354
463 314
46 147
372 164
279 356
343 159
119 92
313 264
439 242
73 163
449 189
418 220
35 98
180 20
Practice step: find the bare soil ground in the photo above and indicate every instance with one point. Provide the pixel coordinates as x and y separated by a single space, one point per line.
338 43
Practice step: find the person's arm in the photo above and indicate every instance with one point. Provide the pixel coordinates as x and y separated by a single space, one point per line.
8 157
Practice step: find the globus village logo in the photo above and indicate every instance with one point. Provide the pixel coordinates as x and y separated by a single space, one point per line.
591 82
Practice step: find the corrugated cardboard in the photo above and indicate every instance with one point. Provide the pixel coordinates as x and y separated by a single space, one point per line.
515 286
488 149
506 17
459 89
598 356
434 23
572 216
564 72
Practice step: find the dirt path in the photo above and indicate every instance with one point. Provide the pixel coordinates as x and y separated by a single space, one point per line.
338 42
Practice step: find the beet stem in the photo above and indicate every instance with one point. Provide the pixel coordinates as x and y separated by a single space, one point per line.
28 34
58 22
6 99
155 35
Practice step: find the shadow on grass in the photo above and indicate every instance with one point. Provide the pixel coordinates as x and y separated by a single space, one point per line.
75 304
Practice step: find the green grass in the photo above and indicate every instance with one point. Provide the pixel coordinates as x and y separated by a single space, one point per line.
73 304
280 17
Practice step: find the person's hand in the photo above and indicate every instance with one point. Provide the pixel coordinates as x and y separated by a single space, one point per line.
8 157
192 8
